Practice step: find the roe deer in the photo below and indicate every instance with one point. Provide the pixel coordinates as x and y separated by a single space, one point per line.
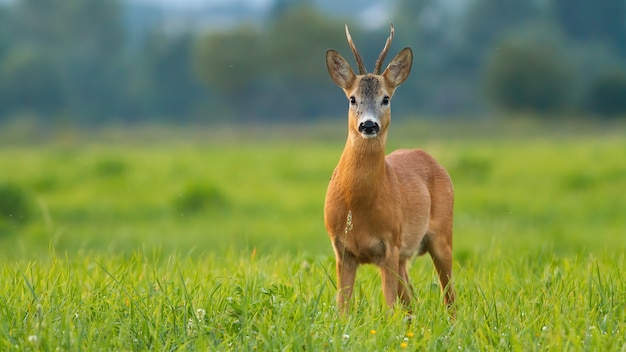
384 210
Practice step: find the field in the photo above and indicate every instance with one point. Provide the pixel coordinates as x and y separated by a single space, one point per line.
213 239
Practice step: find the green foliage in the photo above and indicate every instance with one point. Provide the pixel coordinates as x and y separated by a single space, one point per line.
528 76
472 167
587 21
164 79
229 61
272 71
110 167
607 94
52 51
125 64
198 197
488 22
16 206
29 81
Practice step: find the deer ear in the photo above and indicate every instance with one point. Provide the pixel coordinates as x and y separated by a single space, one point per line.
339 69
399 68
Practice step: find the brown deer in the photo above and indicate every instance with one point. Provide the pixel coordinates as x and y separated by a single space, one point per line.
384 210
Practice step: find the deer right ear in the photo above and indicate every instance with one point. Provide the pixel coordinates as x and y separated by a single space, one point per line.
339 69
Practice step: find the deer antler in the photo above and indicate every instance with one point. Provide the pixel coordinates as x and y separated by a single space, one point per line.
381 57
359 59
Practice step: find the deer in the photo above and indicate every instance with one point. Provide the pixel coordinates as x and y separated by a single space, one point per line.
384 210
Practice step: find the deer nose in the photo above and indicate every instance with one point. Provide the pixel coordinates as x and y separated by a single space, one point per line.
369 127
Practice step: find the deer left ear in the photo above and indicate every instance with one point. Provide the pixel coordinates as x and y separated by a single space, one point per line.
399 68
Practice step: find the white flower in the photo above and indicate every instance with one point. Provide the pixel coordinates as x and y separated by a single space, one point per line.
33 339
200 313
191 329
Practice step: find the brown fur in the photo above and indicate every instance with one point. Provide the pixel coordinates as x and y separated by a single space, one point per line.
385 210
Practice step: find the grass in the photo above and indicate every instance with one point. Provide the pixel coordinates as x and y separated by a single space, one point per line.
195 244
260 302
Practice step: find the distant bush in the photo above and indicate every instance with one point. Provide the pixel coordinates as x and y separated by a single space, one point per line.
110 167
606 95
15 206
198 197
528 76
471 167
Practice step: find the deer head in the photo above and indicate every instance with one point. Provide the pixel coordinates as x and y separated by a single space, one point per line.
369 94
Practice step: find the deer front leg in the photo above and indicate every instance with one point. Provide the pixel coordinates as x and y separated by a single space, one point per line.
346 266
390 272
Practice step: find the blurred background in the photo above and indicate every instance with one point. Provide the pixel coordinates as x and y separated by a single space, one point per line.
212 124
132 61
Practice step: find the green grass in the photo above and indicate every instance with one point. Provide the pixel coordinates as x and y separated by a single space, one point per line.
237 301
214 240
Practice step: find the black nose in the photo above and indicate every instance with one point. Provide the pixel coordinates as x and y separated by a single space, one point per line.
369 127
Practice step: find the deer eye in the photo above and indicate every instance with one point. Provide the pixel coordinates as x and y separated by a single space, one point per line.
386 100
352 100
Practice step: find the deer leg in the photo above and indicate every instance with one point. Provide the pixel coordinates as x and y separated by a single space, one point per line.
390 272
346 266
440 250
405 289
439 241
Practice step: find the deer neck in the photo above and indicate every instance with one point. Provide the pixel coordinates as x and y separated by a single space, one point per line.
362 169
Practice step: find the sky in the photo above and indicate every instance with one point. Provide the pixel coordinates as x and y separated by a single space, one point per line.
197 3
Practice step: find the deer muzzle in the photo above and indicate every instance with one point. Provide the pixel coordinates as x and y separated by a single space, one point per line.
369 128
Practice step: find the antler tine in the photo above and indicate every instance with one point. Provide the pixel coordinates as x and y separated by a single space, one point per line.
359 59
381 57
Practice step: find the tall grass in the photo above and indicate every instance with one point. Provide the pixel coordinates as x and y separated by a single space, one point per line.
235 301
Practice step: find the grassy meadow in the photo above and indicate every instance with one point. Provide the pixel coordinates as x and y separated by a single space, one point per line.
213 239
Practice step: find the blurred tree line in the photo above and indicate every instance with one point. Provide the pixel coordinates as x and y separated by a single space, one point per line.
76 61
